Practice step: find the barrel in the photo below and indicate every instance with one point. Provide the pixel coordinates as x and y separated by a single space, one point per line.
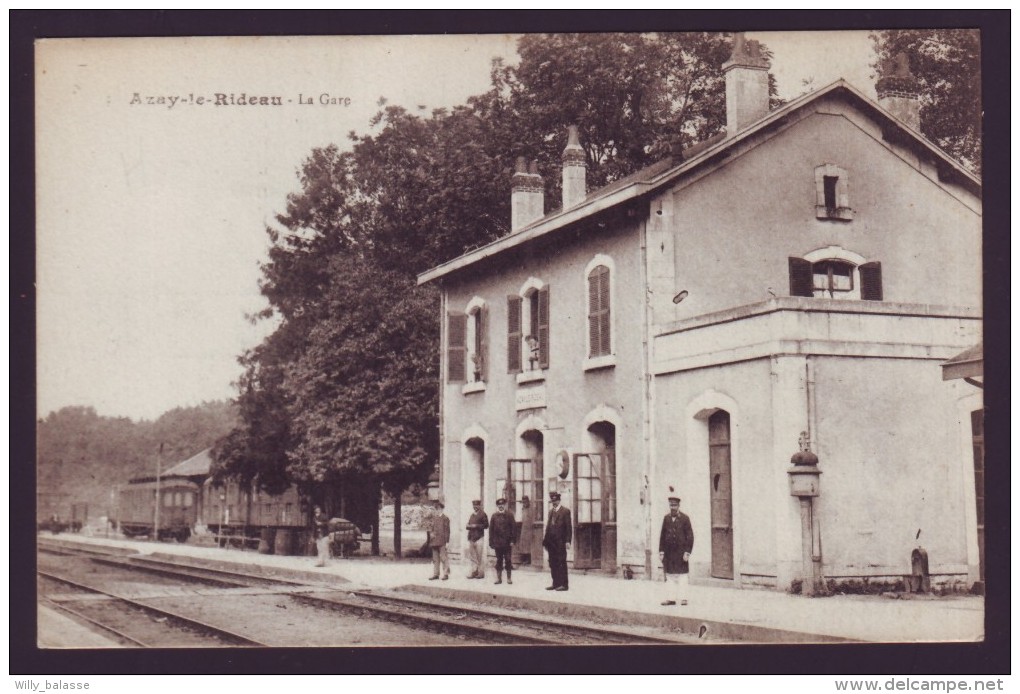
267 540
285 541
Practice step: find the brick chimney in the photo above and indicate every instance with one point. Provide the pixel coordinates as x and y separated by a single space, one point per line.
527 195
747 84
574 169
898 91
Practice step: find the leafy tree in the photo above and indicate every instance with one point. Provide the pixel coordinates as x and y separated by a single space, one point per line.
345 391
636 99
947 65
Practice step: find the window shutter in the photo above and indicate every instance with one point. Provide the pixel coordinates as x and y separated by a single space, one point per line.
483 342
543 327
871 281
598 312
456 347
801 280
513 334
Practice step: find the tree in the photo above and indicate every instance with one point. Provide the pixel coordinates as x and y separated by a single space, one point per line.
636 99
947 65
345 391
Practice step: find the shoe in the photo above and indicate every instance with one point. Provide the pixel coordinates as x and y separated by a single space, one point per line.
446 578
509 582
562 588
683 602
552 588
432 578
498 581
668 602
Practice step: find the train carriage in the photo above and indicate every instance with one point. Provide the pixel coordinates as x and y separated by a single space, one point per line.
177 499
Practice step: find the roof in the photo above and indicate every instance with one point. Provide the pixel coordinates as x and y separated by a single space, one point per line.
662 174
967 364
197 464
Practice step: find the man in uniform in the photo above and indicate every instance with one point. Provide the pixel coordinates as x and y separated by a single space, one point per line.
676 541
438 537
476 527
558 534
501 538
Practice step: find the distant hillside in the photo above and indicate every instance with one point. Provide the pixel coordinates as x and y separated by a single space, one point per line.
81 457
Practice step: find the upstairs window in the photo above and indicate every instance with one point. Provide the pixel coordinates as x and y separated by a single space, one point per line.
528 328
832 193
836 277
599 343
467 344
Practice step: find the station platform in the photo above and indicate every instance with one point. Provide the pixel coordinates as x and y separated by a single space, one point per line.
731 614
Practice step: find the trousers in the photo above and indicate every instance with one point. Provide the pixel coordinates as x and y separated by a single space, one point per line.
676 586
440 557
476 555
503 558
322 549
558 565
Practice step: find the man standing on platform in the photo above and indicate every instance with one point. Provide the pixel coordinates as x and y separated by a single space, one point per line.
438 537
476 527
501 538
558 534
676 541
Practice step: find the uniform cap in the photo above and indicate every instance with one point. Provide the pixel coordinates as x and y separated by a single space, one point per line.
554 496
673 494
476 502
501 502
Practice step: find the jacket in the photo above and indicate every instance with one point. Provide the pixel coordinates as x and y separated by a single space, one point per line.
502 530
477 525
559 530
676 537
440 534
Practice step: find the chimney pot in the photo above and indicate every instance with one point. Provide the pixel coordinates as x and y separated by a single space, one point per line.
747 84
574 170
899 91
527 194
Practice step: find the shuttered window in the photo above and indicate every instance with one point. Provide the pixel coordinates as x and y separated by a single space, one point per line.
543 327
871 281
835 278
801 278
514 336
456 347
481 346
598 312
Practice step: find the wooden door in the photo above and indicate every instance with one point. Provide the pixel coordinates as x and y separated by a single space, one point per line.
721 494
595 510
524 478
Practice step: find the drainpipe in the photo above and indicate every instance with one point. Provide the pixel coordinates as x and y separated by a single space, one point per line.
648 400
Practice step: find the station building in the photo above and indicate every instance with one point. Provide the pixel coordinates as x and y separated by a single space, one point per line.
795 284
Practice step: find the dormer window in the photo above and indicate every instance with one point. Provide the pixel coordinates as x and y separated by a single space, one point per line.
832 193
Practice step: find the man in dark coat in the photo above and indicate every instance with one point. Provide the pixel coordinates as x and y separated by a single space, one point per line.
558 534
477 524
439 536
676 542
502 527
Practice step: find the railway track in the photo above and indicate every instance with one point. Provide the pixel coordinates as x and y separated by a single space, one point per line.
223 636
486 625
473 623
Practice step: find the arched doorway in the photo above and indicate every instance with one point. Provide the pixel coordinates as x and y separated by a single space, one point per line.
595 499
524 491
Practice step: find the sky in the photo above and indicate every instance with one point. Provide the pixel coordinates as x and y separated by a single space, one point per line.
151 213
